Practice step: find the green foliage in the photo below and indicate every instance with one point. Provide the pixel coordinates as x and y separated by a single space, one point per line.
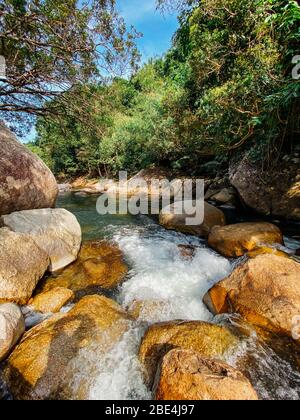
225 87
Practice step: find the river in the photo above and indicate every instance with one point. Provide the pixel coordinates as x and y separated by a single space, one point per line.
159 272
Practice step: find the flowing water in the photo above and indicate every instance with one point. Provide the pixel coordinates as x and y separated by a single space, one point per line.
159 273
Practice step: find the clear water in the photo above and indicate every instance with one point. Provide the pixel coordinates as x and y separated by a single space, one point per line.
159 273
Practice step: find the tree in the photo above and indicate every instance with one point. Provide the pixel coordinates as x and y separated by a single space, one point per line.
51 47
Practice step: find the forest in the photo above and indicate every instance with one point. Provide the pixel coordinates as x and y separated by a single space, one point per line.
226 88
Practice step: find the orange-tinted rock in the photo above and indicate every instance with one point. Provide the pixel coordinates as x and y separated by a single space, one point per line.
267 250
237 240
99 265
186 375
53 360
209 340
265 291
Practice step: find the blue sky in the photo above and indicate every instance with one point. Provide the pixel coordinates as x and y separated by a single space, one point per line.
157 29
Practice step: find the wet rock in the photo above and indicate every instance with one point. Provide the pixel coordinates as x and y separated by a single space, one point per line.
25 181
99 265
237 240
207 339
53 360
12 327
22 265
271 193
52 301
173 218
187 251
265 291
55 231
267 250
186 375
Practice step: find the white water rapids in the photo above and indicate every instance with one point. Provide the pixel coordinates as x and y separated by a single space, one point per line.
159 273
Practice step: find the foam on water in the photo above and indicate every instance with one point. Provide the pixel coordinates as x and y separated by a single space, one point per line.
160 273
119 372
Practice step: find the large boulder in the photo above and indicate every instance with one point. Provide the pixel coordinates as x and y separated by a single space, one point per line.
99 266
173 218
207 339
12 327
52 301
273 192
265 291
22 265
237 240
25 181
55 231
53 360
186 375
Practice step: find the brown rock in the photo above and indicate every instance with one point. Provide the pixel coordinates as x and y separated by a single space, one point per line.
52 301
186 375
25 181
187 251
265 291
22 265
52 360
170 219
273 193
237 240
99 265
207 339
